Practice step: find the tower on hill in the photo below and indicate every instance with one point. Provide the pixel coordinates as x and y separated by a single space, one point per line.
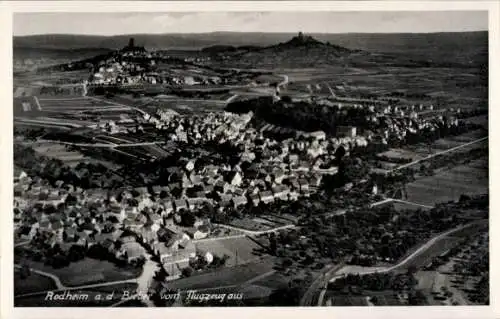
131 43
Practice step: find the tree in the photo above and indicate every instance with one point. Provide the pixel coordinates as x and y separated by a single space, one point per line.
187 272
188 219
25 271
417 297
163 194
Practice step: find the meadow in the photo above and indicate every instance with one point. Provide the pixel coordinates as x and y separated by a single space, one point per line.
448 185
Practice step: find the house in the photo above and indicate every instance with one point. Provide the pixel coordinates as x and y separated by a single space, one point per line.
133 251
210 170
222 187
56 226
83 238
127 239
332 170
235 178
303 166
91 241
189 80
198 233
266 197
190 165
155 218
196 180
281 192
33 231
102 237
162 251
19 174
186 181
143 191
131 224
156 190
255 199
146 235
145 202
208 189
117 234
70 234
193 203
319 135
293 195
140 219
239 201
239 192
44 225
180 204
279 176
293 158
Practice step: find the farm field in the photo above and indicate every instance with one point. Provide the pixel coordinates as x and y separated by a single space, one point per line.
383 298
426 280
48 79
242 247
190 106
77 274
396 153
481 120
444 244
250 224
274 281
420 151
33 283
448 185
224 277
401 206
60 152
452 141
67 109
462 88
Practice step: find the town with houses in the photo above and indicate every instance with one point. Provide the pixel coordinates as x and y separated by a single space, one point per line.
110 178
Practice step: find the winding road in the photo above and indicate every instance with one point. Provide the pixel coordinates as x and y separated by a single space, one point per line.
402 263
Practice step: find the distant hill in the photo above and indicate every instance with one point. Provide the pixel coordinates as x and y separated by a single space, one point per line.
299 51
380 42
455 47
48 53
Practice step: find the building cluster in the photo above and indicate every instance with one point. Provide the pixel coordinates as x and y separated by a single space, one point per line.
123 222
268 170
396 126
135 66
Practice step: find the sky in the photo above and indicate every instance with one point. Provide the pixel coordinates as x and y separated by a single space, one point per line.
201 22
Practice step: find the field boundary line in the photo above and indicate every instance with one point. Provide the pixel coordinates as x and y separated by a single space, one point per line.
438 154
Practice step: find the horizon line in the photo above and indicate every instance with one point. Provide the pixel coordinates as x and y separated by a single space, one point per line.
261 32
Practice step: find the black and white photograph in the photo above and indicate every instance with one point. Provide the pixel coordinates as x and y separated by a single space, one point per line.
250 158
